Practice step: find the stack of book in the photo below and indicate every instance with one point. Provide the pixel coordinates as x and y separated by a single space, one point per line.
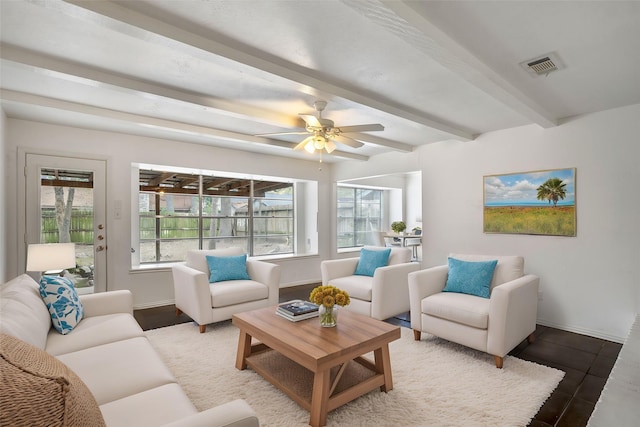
297 309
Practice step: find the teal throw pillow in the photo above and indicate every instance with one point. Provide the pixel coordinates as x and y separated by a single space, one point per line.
470 277
62 301
370 260
223 268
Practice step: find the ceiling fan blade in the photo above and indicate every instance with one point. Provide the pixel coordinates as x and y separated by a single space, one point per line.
282 133
311 120
301 145
347 141
361 128
329 146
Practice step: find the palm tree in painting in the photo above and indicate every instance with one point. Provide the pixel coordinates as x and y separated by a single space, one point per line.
552 190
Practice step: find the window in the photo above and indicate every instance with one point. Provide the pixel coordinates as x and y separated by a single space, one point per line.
359 212
180 210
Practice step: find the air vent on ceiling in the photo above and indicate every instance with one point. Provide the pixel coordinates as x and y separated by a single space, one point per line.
543 65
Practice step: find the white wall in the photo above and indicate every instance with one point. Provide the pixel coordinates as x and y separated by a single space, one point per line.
590 282
4 186
150 288
413 200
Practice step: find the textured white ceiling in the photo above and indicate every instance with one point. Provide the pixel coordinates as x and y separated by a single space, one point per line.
220 72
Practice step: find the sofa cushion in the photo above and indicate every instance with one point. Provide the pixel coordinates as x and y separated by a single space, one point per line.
119 369
154 407
38 389
227 268
234 292
470 277
24 314
370 260
63 303
509 267
465 309
358 287
196 258
93 331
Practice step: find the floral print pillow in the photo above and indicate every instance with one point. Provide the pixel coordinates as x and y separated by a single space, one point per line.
61 298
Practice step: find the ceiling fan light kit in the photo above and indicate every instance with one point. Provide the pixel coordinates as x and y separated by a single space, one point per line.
324 133
320 143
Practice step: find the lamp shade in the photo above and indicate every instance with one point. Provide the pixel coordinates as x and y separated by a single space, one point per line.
51 256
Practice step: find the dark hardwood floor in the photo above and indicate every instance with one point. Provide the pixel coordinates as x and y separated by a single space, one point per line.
586 361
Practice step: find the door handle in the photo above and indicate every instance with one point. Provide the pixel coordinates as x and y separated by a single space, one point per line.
100 248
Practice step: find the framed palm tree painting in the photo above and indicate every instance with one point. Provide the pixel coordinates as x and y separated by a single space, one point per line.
540 202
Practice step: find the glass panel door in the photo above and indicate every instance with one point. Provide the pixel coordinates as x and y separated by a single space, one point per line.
65 203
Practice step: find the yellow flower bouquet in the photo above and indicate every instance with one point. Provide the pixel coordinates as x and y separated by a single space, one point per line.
327 297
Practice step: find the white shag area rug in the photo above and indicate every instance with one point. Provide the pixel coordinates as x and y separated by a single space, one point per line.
435 383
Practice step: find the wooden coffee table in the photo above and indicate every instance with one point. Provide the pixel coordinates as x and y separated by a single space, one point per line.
319 368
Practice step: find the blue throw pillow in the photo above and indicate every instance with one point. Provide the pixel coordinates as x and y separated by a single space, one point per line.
61 298
223 268
370 260
470 277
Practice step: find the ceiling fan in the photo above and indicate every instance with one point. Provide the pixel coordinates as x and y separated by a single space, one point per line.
323 134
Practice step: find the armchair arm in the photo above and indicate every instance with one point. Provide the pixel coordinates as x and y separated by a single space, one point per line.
422 284
390 290
192 294
107 303
267 273
332 269
236 413
513 310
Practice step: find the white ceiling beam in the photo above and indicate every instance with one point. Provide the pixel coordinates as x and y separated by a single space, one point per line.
78 72
411 25
119 82
146 121
268 63
382 142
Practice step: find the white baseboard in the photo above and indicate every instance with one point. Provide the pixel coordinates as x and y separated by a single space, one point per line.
581 331
304 282
153 304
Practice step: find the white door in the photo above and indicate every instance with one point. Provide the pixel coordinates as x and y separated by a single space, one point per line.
66 202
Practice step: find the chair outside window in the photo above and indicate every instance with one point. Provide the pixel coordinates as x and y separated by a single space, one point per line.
414 243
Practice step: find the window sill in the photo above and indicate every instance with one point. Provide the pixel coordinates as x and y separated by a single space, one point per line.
349 250
161 267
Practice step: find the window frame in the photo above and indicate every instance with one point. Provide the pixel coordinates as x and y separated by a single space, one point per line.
357 208
262 197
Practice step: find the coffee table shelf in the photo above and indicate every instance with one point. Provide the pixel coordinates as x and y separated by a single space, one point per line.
297 382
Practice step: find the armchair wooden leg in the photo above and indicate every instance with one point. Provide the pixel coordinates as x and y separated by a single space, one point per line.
178 312
499 360
202 328
416 335
531 338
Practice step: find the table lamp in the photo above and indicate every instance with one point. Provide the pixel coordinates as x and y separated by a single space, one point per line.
51 257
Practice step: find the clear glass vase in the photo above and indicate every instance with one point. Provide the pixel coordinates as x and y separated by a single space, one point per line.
328 316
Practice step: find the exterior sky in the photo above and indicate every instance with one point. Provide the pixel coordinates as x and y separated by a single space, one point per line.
522 188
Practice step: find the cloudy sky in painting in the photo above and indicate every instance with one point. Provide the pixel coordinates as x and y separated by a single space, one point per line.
522 188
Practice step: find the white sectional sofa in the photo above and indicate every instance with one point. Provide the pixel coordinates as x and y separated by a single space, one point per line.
110 353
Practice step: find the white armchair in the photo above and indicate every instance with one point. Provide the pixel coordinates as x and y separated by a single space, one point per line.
208 302
384 295
494 325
